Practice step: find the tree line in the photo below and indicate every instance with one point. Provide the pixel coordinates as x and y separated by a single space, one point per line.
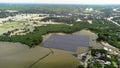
105 30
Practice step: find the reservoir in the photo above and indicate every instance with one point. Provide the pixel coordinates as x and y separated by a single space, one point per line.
17 55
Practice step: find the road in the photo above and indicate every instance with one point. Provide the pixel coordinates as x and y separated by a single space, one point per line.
110 19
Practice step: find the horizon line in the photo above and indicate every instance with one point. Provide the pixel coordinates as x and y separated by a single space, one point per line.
54 3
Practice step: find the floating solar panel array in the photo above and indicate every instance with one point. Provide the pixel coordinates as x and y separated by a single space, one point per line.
66 42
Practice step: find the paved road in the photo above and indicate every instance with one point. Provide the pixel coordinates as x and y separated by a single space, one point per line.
110 19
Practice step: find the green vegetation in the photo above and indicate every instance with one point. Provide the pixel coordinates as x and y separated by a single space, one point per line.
68 20
116 19
7 25
99 26
6 14
47 8
100 56
106 31
102 51
114 61
95 65
81 66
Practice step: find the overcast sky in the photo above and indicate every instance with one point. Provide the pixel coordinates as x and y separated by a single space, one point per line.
64 1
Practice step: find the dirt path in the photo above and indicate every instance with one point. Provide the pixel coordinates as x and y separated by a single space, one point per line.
51 52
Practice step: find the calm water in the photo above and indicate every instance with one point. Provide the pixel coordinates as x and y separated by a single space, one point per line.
67 42
16 55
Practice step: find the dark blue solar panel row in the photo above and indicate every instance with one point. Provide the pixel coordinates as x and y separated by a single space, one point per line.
66 42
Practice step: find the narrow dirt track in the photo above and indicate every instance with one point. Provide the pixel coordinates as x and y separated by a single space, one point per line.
51 52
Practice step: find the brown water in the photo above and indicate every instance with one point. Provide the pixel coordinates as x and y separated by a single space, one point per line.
16 55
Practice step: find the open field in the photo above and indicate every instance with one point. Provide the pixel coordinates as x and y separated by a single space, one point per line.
10 25
22 21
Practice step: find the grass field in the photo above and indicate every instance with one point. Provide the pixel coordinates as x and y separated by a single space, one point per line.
115 64
119 42
10 25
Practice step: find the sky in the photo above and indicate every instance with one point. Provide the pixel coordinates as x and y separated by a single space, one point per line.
63 1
